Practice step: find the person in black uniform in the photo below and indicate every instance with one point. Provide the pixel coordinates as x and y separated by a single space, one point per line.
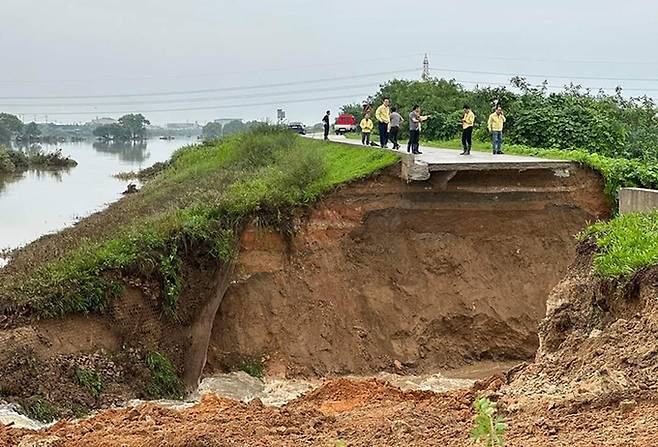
325 120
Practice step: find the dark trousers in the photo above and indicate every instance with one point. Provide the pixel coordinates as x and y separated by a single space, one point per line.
414 141
393 135
326 131
467 139
383 134
365 138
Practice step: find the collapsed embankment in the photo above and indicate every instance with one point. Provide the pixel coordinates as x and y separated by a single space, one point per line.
383 272
599 340
379 273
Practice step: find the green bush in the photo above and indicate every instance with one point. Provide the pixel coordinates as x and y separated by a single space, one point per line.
571 119
90 380
39 409
625 244
164 383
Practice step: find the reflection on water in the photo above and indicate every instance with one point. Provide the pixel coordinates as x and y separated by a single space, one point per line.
131 152
40 202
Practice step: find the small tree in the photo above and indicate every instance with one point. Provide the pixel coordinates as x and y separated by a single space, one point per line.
212 130
31 131
134 125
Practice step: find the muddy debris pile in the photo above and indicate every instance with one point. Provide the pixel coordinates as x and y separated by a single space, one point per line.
599 340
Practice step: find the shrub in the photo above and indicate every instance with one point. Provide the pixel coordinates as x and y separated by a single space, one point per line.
164 383
90 380
625 244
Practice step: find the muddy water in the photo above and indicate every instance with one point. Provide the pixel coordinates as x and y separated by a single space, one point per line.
277 392
36 203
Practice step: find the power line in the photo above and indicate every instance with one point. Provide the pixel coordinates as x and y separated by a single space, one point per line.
598 78
192 100
214 107
209 75
213 90
558 61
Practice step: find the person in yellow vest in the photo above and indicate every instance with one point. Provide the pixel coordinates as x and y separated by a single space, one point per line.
468 121
383 115
366 128
495 126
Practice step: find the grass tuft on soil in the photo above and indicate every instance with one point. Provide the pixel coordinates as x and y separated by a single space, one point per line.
625 244
194 205
165 384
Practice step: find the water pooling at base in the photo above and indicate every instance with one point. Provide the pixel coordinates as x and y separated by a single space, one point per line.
278 392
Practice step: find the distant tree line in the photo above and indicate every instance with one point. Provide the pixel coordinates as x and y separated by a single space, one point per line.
214 130
12 128
574 118
130 127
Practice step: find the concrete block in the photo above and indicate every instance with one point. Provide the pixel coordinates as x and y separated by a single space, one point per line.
633 200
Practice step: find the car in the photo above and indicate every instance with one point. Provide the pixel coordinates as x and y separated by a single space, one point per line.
345 123
297 128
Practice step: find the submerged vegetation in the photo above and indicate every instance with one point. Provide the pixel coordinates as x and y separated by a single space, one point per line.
34 158
197 203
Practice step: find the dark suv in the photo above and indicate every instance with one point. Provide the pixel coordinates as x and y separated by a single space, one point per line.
297 128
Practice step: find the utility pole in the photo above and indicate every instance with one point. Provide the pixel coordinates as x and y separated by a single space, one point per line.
426 69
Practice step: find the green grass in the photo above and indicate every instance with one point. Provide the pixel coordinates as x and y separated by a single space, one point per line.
255 368
90 380
625 244
196 206
164 383
39 409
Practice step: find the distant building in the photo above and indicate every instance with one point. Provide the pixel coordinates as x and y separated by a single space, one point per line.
224 121
182 126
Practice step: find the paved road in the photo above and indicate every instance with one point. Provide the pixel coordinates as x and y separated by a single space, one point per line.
445 159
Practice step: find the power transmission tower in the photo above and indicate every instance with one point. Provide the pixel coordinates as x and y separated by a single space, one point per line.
426 69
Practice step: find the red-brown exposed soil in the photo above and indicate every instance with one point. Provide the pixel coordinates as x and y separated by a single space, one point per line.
599 341
383 272
366 413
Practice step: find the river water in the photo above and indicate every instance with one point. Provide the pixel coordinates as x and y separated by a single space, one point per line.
277 392
35 203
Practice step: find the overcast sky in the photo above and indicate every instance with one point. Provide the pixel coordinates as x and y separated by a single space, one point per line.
145 47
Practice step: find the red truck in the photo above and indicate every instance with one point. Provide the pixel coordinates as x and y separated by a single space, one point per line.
345 123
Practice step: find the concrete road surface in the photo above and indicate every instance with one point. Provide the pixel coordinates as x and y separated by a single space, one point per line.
449 159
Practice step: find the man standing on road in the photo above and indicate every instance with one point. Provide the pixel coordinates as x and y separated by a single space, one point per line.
326 124
495 125
468 121
383 115
396 120
415 119
366 128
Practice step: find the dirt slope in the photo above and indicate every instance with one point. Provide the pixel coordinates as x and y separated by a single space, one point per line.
383 272
599 341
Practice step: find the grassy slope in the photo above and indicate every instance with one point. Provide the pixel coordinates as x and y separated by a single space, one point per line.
198 201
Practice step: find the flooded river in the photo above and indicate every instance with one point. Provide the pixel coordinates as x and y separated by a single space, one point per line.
35 203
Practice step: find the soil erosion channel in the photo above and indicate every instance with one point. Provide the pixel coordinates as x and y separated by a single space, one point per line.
380 275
